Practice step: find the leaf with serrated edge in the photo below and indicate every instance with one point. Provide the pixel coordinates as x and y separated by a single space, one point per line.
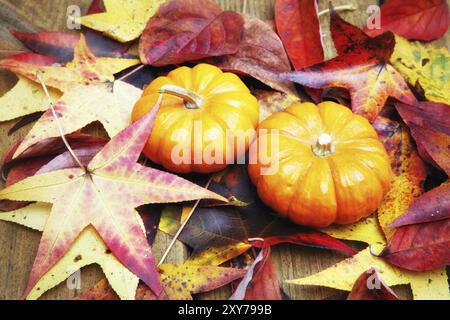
124 20
105 197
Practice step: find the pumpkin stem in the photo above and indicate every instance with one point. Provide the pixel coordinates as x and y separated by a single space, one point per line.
324 146
191 99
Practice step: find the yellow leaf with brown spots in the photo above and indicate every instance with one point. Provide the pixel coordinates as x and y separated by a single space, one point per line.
180 282
429 285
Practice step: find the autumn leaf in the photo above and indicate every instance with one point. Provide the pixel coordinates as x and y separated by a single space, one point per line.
342 276
370 286
425 67
366 230
218 234
409 173
104 195
32 99
262 58
430 126
47 155
362 68
420 247
88 248
432 206
415 20
124 20
299 28
89 94
186 30
27 97
44 152
61 45
260 281
180 282
425 285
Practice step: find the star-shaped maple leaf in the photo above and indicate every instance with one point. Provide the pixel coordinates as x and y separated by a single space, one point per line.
104 195
89 92
362 67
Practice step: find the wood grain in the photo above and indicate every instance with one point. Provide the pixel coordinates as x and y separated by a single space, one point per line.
18 245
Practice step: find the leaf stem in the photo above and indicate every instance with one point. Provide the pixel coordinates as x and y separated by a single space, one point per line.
58 124
345 7
131 72
175 237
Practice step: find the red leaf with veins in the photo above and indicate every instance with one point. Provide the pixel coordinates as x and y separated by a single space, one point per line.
420 247
415 20
431 206
187 30
105 196
362 68
299 28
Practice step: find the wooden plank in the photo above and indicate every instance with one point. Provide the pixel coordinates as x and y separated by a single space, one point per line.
18 245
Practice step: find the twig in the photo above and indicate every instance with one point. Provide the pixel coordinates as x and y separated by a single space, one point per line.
131 72
244 7
58 124
175 237
12 51
345 7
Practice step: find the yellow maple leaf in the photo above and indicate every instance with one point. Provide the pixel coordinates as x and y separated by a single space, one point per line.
430 285
124 20
424 65
87 249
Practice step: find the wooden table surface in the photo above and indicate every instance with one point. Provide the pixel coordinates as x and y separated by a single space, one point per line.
18 245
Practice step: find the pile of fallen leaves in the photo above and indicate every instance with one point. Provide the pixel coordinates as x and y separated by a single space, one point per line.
100 202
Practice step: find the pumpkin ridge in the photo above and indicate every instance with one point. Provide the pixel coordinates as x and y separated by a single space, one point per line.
299 123
298 184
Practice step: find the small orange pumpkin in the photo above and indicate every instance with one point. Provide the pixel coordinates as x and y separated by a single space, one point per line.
330 165
203 112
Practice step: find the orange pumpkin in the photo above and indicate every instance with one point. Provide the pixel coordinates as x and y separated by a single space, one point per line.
202 120
329 165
